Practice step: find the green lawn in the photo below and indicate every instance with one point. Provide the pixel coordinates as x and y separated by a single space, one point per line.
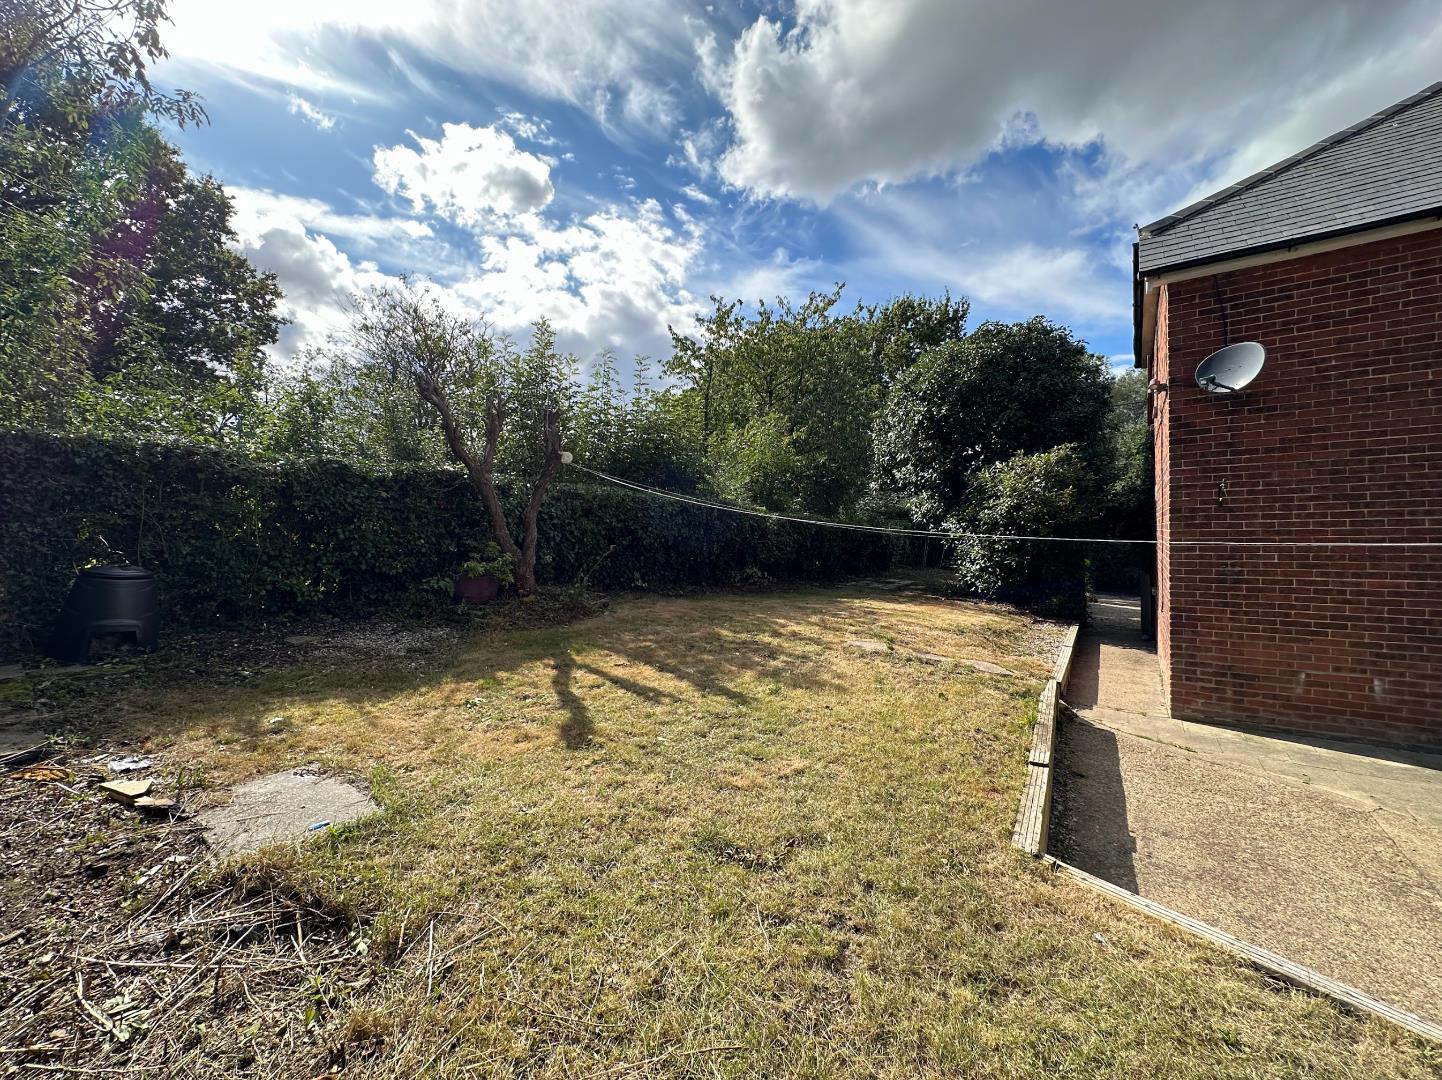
706 837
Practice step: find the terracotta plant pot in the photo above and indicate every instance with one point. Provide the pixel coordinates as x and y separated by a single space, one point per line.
476 590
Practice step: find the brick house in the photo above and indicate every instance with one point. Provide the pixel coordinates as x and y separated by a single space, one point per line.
1332 260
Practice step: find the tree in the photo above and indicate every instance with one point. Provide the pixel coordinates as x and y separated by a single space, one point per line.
1004 432
757 464
1129 487
181 352
402 334
206 309
1128 503
799 385
1002 390
126 307
903 330
91 54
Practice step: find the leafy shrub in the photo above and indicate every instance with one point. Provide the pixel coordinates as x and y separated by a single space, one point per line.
1026 495
234 539
1004 389
492 563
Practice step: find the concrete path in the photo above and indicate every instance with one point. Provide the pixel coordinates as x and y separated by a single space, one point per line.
1328 853
1115 669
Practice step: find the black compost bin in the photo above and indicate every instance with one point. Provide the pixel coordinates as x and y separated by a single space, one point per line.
107 600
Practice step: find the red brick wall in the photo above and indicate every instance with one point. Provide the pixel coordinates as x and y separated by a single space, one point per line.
1339 438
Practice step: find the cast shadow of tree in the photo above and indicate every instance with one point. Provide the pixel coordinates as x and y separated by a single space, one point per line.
577 729
716 653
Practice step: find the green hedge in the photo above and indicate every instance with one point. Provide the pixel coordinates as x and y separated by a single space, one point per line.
234 539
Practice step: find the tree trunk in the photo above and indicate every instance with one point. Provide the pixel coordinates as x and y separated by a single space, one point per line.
482 477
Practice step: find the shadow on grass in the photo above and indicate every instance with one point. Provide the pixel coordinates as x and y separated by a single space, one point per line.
715 643
577 728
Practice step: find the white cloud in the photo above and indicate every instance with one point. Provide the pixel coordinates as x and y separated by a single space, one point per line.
618 60
299 106
531 128
615 277
467 176
911 242
259 204
779 275
691 191
276 233
888 90
700 148
1035 280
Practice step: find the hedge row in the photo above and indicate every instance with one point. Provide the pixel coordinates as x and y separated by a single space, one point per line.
234 539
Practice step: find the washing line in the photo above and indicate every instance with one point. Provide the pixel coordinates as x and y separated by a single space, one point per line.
957 534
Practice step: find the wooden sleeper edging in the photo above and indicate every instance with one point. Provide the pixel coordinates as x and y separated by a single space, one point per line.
1033 819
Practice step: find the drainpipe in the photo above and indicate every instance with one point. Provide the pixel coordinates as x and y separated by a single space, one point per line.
1147 579
1138 298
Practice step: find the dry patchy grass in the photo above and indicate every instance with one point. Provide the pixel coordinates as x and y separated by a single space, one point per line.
703 837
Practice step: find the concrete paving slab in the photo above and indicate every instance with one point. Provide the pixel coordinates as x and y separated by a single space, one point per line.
283 807
1404 783
1350 890
1113 665
1329 853
984 666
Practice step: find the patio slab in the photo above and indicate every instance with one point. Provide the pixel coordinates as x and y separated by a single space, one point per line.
1327 853
282 807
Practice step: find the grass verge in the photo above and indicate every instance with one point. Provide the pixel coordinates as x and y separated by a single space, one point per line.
717 837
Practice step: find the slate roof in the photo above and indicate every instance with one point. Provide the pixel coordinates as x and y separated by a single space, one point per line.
1387 168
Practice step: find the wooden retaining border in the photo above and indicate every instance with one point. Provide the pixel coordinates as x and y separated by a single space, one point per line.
1033 823
1033 820
1064 655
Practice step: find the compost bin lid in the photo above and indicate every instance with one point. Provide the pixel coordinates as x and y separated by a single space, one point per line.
126 573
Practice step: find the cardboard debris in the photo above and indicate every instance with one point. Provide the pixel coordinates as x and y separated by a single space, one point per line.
154 805
41 774
127 791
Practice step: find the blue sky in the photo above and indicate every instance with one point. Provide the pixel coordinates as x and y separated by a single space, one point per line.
610 164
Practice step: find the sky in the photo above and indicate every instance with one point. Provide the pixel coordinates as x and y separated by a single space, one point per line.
611 164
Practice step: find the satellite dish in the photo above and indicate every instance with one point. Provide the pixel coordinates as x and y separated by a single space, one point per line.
1228 370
